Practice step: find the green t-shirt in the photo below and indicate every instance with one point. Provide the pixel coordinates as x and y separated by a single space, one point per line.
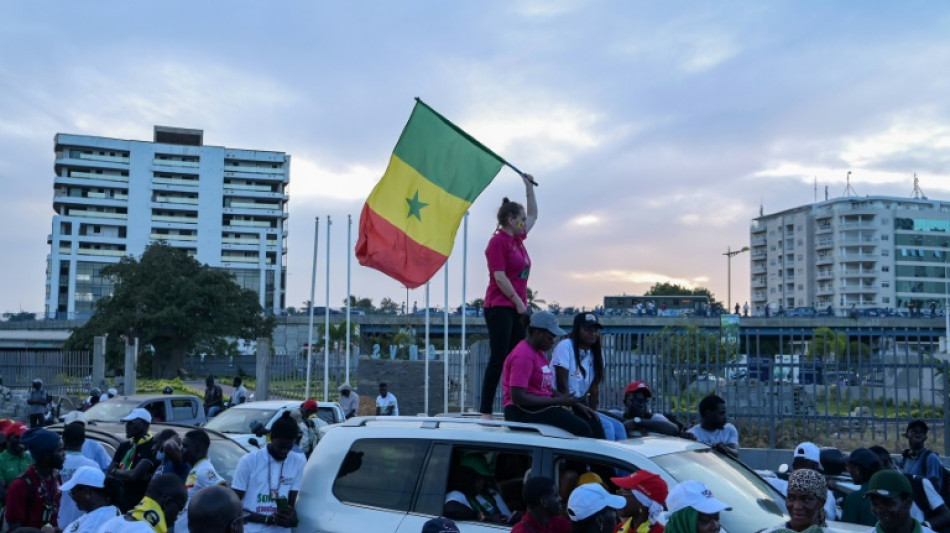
12 466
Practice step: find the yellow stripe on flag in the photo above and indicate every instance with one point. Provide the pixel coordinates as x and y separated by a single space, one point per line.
437 220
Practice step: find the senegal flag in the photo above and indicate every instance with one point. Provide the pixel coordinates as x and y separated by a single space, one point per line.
409 221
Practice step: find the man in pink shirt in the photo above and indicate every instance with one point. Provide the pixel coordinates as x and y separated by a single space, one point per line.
527 384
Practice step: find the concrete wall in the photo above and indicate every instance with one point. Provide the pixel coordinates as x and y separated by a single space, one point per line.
406 380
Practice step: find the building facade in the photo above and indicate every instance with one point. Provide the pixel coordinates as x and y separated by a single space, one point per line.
852 253
226 207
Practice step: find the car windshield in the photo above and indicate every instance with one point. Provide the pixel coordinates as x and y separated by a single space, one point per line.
755 504
224 455
111 410
240 420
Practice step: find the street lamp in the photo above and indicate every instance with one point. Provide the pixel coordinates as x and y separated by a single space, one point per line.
730 253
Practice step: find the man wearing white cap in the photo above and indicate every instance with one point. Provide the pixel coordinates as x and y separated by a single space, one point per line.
134 461
90 448
593 509
73 437
807 456
693 509
87 489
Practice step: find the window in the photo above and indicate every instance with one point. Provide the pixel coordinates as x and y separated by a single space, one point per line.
380 473
184 409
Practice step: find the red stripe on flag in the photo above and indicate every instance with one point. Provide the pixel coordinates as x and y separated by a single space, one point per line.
383 246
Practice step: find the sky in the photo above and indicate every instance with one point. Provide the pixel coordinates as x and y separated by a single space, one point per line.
655 130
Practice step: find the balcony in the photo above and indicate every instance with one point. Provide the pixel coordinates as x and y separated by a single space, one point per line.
176 219
175 163
95 176
175 181
825 260
823 228
95 214
824 244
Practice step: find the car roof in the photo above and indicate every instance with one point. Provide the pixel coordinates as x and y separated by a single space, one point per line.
115 430
269 404
145 397
528 434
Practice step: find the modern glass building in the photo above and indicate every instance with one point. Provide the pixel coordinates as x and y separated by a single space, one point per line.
226 207
851 252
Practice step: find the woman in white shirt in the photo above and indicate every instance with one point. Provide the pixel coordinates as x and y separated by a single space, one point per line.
578 364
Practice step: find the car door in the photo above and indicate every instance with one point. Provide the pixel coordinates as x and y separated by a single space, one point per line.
184 411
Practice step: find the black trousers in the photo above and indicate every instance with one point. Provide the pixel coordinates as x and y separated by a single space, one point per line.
557 417
505 330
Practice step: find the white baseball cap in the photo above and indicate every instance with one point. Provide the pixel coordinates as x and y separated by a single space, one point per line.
89 476
587 500
810 451
694 494
74 416
138 412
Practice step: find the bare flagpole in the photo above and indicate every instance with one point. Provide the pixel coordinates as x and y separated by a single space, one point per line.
349 297
313 286
445 343
464 316
326 325
425 350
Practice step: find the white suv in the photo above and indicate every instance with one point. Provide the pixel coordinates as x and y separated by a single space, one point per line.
393 473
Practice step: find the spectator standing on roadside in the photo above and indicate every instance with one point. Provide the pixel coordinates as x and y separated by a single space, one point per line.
38 401
239 394
713 430
267 481
861 464
349 401
14 460
194 451
74 435
386 403
918 459
506 298
214 397
543 514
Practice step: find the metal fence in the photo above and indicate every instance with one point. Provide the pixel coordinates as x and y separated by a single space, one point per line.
64 373
859 388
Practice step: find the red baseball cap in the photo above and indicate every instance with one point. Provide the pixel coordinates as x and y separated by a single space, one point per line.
634 386
651 485
309 405
17 428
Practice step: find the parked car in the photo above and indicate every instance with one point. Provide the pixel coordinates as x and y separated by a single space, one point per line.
394 473
237 423
181 409
224 452
801 312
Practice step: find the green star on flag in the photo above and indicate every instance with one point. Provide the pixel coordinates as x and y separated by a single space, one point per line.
415 206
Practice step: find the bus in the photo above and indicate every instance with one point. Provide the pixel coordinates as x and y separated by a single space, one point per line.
665 306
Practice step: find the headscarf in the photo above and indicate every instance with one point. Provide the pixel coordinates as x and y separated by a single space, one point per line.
810 482
683 521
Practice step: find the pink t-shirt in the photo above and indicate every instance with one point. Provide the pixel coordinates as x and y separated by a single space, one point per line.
527 368
507 253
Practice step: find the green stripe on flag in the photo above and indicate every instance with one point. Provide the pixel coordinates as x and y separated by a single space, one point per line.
445 155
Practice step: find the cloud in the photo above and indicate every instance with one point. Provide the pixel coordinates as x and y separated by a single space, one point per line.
630 276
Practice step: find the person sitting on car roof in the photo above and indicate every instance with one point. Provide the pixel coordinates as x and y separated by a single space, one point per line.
637 416
713 430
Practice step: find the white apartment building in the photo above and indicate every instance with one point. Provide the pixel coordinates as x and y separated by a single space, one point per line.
870 252
227 207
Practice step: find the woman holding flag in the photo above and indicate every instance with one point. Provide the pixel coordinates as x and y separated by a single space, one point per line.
506 300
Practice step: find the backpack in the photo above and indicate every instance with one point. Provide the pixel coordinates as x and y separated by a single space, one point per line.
944 488
939 519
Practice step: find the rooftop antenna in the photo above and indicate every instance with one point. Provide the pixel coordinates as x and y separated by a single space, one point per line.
761 207
816 189
849 190
918 192
826 193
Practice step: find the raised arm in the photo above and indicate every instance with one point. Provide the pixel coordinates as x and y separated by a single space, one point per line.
531 203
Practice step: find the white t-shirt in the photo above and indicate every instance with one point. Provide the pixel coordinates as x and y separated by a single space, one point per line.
238 396
91 522
383 403
200 476
459 496
95 451
120 525
68 512
257 475
727 435
563 356
933 498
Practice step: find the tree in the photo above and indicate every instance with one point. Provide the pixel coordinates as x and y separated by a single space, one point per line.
477 303
388 306
360 303
22 316
673 289
689 350
170 301
534 303
827 344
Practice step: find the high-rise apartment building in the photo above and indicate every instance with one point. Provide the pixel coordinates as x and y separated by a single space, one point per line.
226 207
870 252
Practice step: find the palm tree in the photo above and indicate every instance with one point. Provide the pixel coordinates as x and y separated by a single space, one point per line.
534 303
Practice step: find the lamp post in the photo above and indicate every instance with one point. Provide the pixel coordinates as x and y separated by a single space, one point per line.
730 253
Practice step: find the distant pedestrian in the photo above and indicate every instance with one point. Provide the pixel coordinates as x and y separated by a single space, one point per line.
214 397
745 309
386 403
349 401
38 400
713 429
737 308
239 394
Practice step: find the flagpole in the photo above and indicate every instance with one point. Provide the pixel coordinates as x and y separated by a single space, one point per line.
445 342
349 297
425 350
313 287
326 325
464 316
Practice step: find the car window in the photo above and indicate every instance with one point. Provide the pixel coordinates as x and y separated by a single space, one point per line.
432 489
184 409
381 473
157 410
755 503
326 414
502 486
240 420
111 410
224 455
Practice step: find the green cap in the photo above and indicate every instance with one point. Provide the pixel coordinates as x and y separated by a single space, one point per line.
477 462
890 484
